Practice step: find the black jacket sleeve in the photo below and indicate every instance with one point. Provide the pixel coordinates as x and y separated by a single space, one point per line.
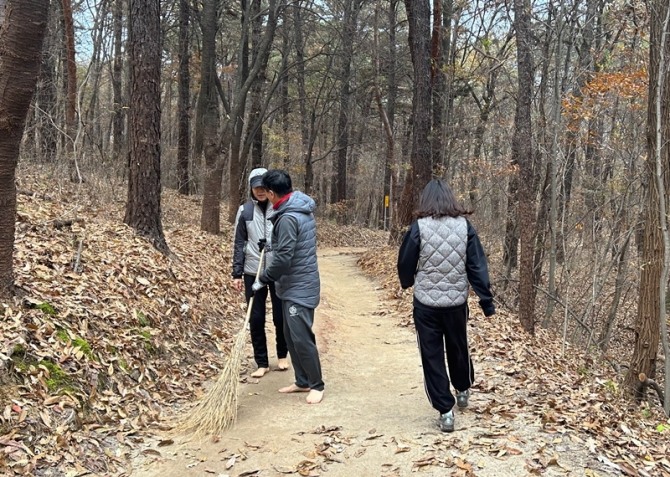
238 246
286 232
478 272
408 256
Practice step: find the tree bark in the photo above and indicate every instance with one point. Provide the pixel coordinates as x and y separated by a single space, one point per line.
22 27
302 96
653 276
349 28
523 153
45 99
244 83
71 86
255 131
209 105
143 209
117 81
418 16
184 113
437 61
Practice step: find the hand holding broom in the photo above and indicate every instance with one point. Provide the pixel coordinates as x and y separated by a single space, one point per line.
217 410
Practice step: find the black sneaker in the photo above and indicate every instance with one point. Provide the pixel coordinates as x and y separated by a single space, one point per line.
462 398
447 422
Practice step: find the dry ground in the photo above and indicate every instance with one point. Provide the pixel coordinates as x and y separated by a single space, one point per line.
375 419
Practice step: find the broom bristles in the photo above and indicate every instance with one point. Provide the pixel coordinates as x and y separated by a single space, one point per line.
217 410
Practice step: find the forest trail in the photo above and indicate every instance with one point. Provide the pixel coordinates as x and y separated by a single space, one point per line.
375 419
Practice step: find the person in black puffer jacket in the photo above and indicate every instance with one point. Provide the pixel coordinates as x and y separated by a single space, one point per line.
253 230
441 256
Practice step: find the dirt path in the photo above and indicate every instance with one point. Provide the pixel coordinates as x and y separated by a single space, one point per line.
375 419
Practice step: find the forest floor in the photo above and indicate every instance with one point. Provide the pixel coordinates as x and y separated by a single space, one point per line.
108 343
375 419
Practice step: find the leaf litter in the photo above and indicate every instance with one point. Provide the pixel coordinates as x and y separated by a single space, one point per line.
106 336
570 396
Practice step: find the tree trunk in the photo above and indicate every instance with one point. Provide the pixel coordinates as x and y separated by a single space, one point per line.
71 87
584 75
256 107
22 27
143 209
523 153
283 93
184 113
418 16
346 56
302 96
437 61
117 81
231 135
209 105
45 98
650 311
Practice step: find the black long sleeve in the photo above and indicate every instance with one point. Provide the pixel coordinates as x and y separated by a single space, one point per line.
238 246
478 272
408 256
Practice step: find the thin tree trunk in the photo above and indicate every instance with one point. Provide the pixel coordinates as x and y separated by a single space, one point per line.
117 71
437 81
283 93
231 134
346 56
302 96
523 153
255 121
22 27
553 170
45 99
184 107
71 87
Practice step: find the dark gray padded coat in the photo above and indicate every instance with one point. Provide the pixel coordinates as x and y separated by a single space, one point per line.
293 266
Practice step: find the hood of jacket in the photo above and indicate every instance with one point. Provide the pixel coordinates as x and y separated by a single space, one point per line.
298 202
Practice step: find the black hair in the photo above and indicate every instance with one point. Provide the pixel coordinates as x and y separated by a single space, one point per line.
278 181
437 200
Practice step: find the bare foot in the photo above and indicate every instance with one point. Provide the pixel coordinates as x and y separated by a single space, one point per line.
293 389
260 372
282 364
314 396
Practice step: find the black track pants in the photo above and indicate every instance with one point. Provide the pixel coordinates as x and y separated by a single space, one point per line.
437 328
301 342
257 322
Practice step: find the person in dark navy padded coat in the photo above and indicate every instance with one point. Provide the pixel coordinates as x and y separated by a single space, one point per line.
441 256
294 270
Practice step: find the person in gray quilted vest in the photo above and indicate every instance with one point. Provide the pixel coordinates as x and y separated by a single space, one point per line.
441 256
294 270
252 232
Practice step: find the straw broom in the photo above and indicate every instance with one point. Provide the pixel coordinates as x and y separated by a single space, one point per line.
217 411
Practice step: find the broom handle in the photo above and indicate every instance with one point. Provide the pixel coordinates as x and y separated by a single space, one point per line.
251 300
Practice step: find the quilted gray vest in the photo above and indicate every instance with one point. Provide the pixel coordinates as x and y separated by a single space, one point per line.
441 279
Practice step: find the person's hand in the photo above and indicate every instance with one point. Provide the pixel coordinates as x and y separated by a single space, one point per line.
257 286
261 244
238 284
